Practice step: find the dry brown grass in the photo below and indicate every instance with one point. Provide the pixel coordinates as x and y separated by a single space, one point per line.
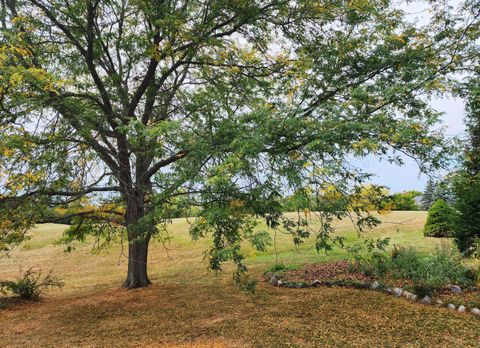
189 307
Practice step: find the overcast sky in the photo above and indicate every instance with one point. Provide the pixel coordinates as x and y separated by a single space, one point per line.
407 177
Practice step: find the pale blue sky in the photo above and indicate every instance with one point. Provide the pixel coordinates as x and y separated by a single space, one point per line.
407 177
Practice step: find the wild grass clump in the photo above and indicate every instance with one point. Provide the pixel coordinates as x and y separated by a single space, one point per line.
427 274
30 285
444 267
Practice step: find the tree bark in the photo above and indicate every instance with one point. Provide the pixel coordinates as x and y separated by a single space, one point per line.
138 241
137 276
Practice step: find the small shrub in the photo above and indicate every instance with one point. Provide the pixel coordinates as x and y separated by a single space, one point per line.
447 266
369 257
440 220
431 272
373 264
30 285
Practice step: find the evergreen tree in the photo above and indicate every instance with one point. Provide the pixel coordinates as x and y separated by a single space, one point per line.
467 223
443 190
428 195
440 220
467 183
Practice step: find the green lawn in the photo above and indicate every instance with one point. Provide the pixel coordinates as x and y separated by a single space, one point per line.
189 306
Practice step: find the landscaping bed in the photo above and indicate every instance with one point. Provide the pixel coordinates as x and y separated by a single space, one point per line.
338 270
342 271
341 274
335 273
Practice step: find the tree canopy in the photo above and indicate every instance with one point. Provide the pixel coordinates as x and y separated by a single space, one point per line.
405 200
466 180
118 110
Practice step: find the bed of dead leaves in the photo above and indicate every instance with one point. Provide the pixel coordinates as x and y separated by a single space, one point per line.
335 270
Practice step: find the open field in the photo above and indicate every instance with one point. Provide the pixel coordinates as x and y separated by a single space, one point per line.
188 306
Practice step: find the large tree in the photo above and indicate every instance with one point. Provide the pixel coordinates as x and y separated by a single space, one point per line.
467 178
118 110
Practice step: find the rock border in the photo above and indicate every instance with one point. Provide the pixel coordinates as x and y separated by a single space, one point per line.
274 280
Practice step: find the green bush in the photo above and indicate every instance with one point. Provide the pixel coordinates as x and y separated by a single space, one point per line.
369 256
426 273
30 285
440 220
370 265
467 223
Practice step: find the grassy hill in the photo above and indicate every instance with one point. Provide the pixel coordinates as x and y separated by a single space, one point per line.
189 306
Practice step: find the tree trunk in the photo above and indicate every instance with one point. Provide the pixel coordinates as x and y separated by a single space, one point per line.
138 240
137 264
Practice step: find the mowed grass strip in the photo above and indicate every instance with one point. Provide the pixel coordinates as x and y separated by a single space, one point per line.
189 307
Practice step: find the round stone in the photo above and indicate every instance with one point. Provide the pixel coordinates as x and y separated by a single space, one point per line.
397 291
475 311
455 289
426 300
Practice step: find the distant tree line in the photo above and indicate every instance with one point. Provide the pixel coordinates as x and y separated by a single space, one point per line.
322 201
